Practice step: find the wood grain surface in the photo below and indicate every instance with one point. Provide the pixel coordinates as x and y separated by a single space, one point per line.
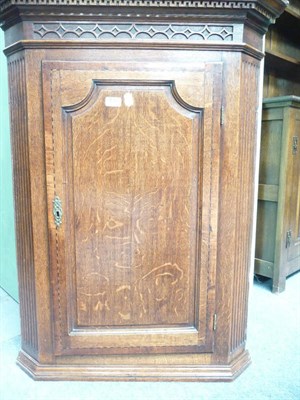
134 131
131 166
135 202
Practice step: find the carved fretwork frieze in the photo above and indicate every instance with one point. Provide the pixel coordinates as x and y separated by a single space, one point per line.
108 31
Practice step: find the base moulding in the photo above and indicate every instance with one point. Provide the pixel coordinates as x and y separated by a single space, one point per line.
134 372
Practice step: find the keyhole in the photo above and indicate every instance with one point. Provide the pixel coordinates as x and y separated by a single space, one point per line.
57 211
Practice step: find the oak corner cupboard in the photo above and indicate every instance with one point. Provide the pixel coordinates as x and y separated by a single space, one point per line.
133 129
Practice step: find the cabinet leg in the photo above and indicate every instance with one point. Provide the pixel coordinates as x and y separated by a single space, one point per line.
279 285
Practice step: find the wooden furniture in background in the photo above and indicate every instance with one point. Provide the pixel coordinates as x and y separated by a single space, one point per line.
278 217
277 255
282 61
134 134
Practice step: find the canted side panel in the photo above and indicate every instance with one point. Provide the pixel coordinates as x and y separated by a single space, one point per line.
243 228
135 172
21 174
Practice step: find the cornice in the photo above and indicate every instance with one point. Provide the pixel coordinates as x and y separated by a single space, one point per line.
269 8
282 101
256 13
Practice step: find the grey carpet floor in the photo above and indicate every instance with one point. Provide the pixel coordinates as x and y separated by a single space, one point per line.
273 342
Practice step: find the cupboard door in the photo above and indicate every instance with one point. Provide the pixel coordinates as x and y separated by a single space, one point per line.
132 154
293 190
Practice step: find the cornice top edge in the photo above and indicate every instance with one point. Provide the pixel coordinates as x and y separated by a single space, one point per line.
275 7
260 12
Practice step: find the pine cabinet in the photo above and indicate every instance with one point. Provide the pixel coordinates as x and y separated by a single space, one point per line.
278 220
133 130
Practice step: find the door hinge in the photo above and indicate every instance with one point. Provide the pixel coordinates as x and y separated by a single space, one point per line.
288 240
222 116
215 322
295 145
